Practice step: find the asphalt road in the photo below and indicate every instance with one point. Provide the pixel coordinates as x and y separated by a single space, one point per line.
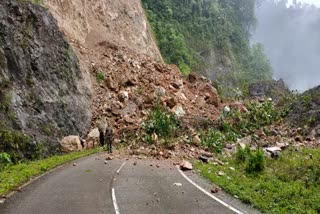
140 187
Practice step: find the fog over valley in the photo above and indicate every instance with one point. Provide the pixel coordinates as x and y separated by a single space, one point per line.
290 33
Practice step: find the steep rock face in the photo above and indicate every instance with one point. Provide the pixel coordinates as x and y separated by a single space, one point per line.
43 91
275 89
306 109
121 22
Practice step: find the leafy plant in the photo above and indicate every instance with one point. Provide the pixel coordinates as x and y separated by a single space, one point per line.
4 160
161 122
100 77
19 146
213 139
256 161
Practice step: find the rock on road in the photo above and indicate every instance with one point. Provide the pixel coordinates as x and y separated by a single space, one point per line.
141 187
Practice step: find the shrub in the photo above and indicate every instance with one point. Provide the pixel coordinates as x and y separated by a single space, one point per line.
19 146
4 160
256 161
213 139
100 77
161 122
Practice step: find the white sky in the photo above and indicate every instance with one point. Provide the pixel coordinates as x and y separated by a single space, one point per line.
315 2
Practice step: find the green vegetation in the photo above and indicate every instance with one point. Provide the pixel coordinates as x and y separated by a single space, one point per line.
160 122
100 77
254 160
15 175
5 160
39 2
235 125
19 146
289 184
189 32
213 139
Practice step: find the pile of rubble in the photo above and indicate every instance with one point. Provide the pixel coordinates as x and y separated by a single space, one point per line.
133 83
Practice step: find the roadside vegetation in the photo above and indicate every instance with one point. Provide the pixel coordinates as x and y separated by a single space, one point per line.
14 175
289 184
234 125
160 124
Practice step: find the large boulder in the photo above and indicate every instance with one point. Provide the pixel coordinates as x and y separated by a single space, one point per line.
92 139
305 111
275 89
71 144
210 94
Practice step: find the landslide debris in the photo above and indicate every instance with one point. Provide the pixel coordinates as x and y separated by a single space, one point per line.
133 83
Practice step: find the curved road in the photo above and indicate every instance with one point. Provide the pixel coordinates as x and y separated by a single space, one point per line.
139 187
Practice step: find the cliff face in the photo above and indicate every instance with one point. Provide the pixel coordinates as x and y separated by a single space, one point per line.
43 91
121 22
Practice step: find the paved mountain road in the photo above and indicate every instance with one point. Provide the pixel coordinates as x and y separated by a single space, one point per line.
147 187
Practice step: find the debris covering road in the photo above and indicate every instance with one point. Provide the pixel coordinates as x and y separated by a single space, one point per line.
139 188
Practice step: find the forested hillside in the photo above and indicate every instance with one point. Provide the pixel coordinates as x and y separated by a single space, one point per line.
210 36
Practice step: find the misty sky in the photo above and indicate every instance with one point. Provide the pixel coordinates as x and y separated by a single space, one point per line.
291 37
314 2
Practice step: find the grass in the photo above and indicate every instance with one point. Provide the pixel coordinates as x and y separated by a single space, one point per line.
289 184
16 175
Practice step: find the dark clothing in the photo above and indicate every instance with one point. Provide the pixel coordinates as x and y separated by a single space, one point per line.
109 139
101 137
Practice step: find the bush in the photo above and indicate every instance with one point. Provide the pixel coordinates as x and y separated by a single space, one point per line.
213 139
100 77
19 146
254 160
5 160
161 122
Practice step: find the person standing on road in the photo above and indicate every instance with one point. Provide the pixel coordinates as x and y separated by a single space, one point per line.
102 126
109 139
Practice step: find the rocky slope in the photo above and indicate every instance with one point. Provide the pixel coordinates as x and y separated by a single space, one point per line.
113 39
119 22
305 111
61 73
43 91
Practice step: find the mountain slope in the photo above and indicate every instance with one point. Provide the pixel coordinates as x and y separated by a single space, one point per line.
43 92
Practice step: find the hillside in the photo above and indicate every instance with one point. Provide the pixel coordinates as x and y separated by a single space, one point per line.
44 94
211 37
63 93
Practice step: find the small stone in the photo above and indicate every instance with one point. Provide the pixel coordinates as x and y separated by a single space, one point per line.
204 159
74 164
196 140
185 165
101 180
135 163
109 158
105 162
220 173
299 138
177 184
215 189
